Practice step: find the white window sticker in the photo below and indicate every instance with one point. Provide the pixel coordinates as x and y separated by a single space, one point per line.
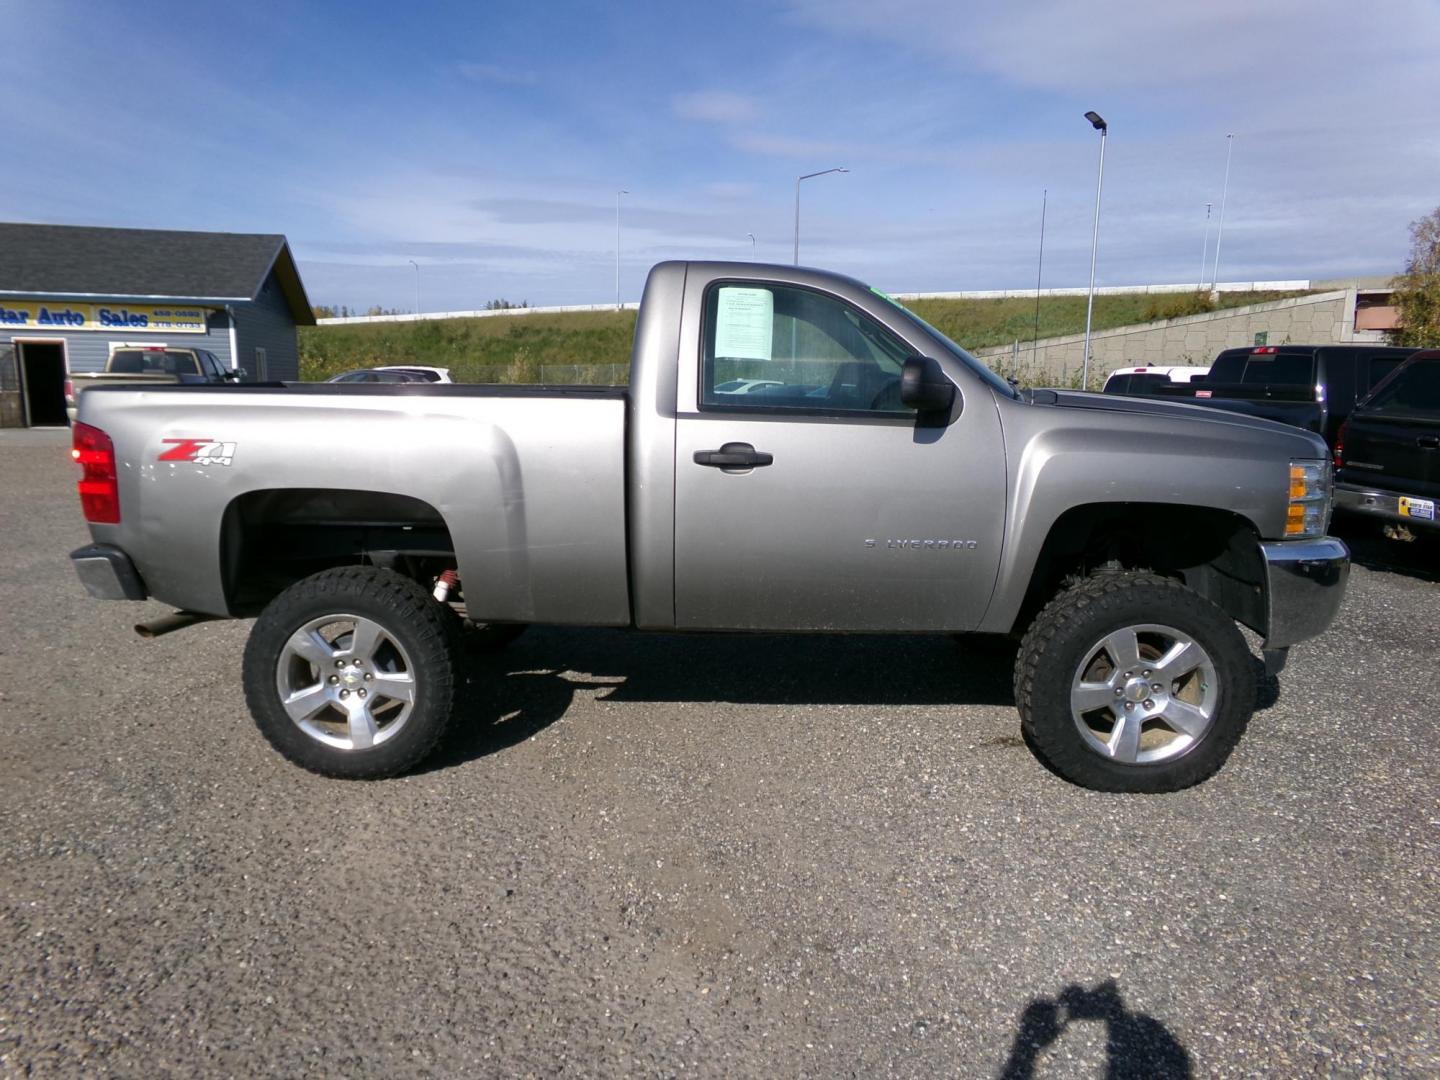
744 322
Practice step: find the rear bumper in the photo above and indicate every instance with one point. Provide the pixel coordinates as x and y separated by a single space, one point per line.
1375 503
107 573
1304 584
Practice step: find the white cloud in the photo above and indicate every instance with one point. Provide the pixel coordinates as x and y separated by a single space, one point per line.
1062 45
715 107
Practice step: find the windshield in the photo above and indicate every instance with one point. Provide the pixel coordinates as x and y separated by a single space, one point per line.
995 381
1415 391
153 362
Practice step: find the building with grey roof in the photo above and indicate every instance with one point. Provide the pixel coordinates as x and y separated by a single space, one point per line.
69 294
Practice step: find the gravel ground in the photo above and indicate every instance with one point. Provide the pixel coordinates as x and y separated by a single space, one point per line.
692 856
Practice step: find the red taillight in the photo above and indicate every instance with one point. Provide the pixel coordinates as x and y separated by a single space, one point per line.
99 489
69 392
1265 350
1339 453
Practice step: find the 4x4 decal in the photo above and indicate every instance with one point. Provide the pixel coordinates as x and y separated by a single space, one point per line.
198 451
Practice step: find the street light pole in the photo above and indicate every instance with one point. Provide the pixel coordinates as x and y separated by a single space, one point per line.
1204 249
1039 269
622 191
807 176
413 263
751 235
1099 125
1220 229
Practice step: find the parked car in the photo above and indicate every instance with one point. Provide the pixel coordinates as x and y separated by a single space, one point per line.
1314 387
1146 380
1387 454
378 375
423 374
746 386
1120 539
151 364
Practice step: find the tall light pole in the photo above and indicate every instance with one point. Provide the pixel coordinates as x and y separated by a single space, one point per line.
622 191
1220 230
1204 249
1099 125
1039 269
413 263
751 235
807 176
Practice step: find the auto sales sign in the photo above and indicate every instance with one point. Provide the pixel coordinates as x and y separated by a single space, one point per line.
131 318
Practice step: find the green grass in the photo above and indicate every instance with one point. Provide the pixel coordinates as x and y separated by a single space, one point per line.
502 348
513 348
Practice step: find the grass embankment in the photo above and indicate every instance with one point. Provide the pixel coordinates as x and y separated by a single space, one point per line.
514 348
501 348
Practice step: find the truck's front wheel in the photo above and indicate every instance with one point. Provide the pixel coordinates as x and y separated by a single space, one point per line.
1132 682
351 672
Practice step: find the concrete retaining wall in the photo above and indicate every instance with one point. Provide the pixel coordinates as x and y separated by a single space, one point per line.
1195 339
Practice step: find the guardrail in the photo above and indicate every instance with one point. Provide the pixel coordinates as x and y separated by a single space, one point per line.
972 294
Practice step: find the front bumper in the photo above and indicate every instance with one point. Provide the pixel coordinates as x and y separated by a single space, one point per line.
1380 504
1304 584
107 573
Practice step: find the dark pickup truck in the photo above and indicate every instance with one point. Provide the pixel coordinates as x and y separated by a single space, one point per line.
1314 387
1388 452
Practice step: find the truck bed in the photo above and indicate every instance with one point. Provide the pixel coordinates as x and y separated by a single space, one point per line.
528 481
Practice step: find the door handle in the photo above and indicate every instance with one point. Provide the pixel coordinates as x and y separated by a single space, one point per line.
1428 442
734 455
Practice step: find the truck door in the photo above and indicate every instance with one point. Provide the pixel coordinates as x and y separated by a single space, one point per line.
807 496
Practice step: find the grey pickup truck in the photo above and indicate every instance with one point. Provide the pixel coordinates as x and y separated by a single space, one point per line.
874 478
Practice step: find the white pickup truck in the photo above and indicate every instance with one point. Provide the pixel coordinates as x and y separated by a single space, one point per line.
874 477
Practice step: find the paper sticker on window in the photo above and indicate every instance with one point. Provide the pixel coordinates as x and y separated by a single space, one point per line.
744 323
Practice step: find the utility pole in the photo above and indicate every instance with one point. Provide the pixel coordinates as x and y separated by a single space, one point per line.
1220 230
1039 269
1204 249
622 191
1099 125
807 176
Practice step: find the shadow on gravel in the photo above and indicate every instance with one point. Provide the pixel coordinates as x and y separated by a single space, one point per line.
1372 549
1136 1045
512 695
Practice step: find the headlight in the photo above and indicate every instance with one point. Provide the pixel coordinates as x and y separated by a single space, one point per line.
1311 484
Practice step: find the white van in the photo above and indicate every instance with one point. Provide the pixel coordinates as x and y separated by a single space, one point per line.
1140 381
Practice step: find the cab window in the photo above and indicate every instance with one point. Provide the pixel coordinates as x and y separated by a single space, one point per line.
774 347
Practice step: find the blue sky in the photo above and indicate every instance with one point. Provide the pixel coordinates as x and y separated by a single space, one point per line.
487 142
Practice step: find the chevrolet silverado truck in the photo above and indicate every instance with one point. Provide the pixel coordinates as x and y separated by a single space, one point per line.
875 478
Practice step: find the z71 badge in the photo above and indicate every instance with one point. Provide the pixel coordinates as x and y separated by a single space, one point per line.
198 451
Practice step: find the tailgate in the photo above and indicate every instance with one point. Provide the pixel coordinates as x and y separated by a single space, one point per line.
1301 414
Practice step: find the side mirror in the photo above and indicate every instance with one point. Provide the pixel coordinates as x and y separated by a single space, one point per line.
925 387
236 375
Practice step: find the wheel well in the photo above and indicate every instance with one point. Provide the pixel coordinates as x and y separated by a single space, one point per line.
271 539
1212 551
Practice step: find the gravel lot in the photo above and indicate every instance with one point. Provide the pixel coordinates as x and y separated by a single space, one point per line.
690 856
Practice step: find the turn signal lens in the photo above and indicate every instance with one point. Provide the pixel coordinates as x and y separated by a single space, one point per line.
99 489
1308 513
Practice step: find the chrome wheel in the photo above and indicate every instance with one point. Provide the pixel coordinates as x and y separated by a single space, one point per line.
1144 694
346 681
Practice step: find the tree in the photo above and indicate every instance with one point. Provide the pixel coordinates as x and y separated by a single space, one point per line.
322 311
1417 291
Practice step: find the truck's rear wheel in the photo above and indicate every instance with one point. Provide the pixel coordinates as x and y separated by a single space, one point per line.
351 672
1132 682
